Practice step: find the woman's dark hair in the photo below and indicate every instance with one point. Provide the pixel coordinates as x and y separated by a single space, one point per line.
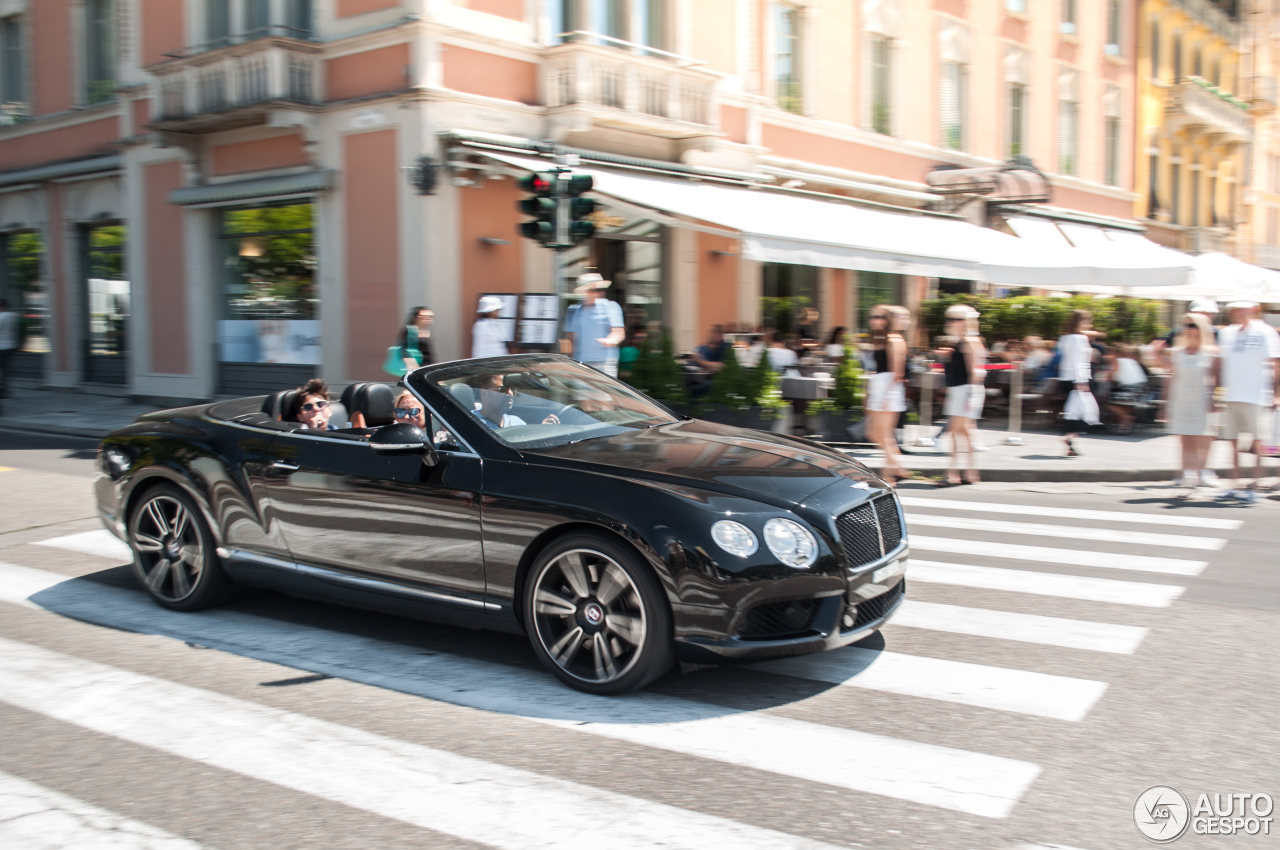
1076 319
413 315
315 386
837 334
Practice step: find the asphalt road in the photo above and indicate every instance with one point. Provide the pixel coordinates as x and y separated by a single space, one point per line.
1024 697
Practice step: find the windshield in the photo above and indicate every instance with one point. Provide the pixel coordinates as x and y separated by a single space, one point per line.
542 402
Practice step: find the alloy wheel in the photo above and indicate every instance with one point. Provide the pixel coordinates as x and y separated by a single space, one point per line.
170 550
589 616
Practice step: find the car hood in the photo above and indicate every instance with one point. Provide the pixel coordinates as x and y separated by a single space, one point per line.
753 464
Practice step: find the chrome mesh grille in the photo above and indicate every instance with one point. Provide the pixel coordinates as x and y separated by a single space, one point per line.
869 531
890 524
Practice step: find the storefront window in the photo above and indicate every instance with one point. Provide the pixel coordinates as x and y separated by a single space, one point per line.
23 286
876 288
107 288
270 312
787 293
628 251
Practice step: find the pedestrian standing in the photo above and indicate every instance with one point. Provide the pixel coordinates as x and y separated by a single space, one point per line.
595 326
1250 353
966 388
886 387
8 344
487 336
1194 364
1075 370
416 338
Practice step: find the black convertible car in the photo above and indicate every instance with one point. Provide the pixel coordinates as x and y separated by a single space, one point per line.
535 495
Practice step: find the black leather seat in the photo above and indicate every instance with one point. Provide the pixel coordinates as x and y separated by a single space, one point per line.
377 404
278 404
465 395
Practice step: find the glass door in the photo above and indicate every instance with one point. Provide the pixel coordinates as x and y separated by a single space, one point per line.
22 284
107 298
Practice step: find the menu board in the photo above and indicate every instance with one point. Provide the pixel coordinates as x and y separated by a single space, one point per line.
539 320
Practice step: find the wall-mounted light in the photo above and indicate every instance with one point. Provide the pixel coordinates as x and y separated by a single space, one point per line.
251 247
493 240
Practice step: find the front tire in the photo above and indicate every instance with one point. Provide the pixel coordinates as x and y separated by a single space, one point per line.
173 552
597 616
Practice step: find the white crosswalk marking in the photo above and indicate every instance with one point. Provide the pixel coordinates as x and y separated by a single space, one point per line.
33 817
431 788
101 543
1046 584
1014 625
1073 557
1001 688
1071 532
932 775
1027 510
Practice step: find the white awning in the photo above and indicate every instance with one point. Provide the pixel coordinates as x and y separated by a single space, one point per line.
803 230
1108 262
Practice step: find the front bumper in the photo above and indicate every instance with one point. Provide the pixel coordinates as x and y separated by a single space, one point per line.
839 620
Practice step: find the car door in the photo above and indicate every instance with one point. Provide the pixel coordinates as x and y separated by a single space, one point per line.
342 507
239 497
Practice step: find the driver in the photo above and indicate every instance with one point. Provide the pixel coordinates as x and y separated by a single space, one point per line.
495 400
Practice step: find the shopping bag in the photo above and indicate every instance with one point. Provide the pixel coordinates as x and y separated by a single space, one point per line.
394 364
1081 406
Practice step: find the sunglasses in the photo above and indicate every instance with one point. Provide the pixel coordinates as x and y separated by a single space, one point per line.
314 405
502 389
878 316
408 412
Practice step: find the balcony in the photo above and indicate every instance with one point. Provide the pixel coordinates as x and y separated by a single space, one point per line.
1194 106
235 86
631 87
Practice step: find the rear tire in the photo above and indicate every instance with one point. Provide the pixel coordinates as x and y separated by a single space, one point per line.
597 616
173 552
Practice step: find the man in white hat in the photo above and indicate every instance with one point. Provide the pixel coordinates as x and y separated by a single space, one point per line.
594 327
488 339
1249 350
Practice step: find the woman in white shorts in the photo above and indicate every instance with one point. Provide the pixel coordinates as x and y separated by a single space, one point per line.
966 389
886 387
1194 361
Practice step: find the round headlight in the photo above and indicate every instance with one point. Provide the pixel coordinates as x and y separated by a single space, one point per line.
735 538
790 542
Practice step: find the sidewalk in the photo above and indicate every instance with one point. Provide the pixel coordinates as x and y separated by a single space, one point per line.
1105 457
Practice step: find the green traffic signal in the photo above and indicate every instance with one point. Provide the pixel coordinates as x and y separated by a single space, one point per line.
578 183
580 231
538 206
539 231
582 207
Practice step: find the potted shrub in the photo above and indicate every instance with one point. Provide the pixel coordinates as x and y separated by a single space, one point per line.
658 375
831 417
745 398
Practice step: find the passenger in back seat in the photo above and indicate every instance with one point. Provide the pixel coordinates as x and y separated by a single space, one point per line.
311 406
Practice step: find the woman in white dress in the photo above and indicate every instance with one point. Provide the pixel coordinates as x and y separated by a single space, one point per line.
1194 361
1075 372
487 336
886 387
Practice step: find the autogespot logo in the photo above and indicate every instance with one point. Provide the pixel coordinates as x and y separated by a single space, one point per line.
1161 813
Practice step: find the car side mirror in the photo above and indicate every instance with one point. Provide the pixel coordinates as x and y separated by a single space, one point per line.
403 438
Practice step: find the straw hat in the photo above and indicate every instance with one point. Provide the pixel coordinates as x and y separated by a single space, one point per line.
591 280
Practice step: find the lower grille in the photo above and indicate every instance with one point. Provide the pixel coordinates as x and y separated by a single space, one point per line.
879 606
777 620
869 531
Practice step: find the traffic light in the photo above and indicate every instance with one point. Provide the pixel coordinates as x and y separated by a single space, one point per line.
543 206
580 230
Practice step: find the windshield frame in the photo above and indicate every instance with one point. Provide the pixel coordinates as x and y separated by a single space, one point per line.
425 382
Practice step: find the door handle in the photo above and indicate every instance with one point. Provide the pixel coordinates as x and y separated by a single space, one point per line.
285 466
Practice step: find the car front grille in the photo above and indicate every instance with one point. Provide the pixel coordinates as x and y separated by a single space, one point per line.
777 620
870 530
879 606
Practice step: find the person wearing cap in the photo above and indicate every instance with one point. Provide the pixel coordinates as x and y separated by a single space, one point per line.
1249 350
487 336
594 327
1206 307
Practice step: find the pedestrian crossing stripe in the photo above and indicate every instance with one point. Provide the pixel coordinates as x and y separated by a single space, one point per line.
1014 625
34 817
434 789
100 543
1026 510
1072 532
1046 554
1110 590
928 774
6 469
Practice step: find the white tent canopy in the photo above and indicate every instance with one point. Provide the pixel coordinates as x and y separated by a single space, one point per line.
805 230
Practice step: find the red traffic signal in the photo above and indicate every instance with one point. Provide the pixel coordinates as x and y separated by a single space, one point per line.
539 183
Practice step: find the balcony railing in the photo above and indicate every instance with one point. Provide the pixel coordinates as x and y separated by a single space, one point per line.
14 113
629 79
1213 15
221 80
1190 104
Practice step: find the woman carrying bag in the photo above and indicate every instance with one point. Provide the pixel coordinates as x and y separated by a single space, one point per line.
1075 370
414 349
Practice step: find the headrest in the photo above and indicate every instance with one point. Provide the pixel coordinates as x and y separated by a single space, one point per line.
465 395
348 398
277 404
338 415
377 402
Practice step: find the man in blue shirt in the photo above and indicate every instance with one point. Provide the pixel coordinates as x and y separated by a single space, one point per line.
595 326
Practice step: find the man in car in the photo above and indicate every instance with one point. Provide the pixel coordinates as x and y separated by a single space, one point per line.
495 400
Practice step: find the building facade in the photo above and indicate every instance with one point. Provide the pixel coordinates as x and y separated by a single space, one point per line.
204 197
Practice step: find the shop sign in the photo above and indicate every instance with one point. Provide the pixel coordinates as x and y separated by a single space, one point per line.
293 341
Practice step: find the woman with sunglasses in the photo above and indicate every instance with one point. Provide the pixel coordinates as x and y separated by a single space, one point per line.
408 410
886 390
311 406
